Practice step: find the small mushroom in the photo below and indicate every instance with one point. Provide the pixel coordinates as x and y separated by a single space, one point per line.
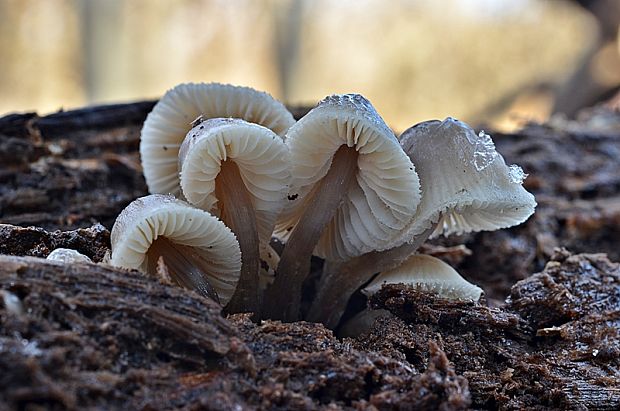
238 171
422 272
200 252
430 274
172 117
466 186
68 255
352 189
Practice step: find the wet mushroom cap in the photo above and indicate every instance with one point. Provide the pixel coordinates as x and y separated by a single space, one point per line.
262 159
203 237
385 194
167 125
430 274
466 184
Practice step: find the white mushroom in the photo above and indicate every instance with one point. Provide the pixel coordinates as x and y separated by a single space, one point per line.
201 253
422 272
466 183
430 274
466 186
172 117
239 172
352 189
67 255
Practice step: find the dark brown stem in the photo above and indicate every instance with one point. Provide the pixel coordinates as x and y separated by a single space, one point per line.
283 298
184 265
237 212
341 280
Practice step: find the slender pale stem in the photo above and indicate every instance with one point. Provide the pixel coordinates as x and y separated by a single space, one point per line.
341 280
283 298
237 212
185 266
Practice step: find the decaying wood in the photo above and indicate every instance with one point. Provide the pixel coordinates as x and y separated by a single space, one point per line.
94 242
86 328
86 335
62 122
83 336
90 335
555 344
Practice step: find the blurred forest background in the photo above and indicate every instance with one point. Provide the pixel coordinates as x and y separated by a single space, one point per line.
500 62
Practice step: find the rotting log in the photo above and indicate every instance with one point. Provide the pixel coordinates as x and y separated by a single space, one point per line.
91 336
84 335
555 343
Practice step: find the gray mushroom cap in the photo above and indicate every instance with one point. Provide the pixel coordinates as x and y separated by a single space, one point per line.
172 117
466 184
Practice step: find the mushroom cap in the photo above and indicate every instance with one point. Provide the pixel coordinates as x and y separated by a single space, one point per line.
147 218
68 255
430 274
172 117
466 184
387 190
262 159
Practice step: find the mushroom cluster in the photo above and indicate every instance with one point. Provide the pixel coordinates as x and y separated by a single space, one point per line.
229 168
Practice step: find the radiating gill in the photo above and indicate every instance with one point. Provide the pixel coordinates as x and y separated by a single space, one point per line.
186 267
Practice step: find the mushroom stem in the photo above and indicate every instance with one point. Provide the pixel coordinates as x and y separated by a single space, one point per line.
184 265
237 212
284 296
341 280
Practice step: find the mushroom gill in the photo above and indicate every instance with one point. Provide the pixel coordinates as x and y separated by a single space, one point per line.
185 267
466 186
240 172
351 190
173 116
200 252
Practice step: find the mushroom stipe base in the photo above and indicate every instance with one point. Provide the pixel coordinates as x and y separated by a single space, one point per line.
340 280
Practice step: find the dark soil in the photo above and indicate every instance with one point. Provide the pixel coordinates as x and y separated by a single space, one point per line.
88 336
